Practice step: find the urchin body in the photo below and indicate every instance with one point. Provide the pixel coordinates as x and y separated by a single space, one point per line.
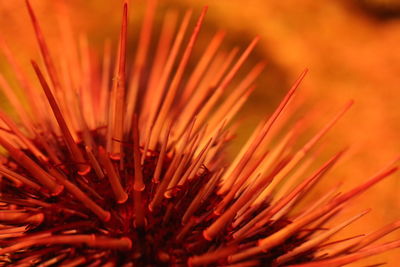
132 173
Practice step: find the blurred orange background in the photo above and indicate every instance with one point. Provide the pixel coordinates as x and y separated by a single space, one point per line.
350 47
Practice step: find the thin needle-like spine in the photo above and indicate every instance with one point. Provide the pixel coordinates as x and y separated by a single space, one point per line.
119 99
72 146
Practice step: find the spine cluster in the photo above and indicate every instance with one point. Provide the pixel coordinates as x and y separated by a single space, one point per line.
119 163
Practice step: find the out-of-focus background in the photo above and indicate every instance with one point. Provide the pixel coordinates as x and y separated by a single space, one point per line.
351 48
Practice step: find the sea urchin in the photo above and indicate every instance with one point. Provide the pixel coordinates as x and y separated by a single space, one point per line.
132 173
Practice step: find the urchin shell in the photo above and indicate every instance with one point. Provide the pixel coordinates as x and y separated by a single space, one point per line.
132 172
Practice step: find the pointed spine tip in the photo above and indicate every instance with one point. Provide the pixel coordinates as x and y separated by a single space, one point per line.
58 190
206 236
107 217
122 199
128 242
29 6
84 171
125 11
